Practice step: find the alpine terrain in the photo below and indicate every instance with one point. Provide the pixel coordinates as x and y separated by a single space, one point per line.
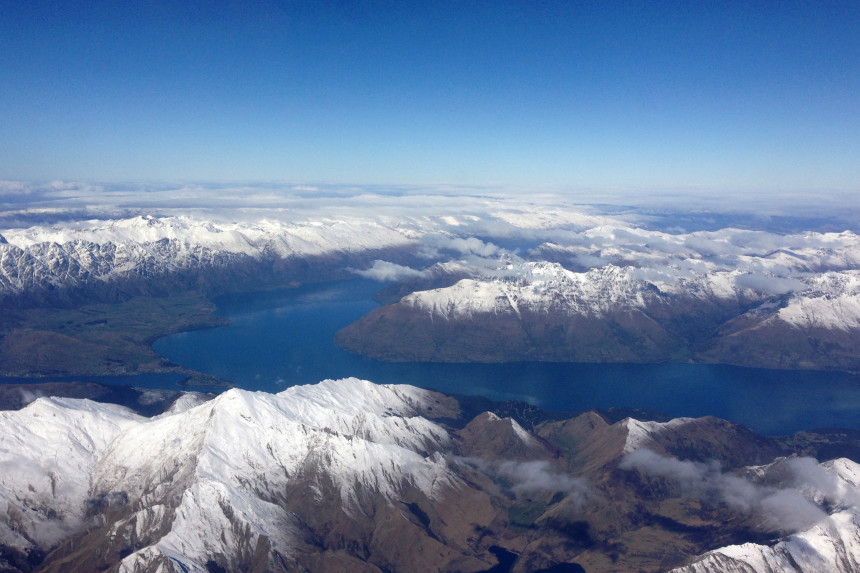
350 476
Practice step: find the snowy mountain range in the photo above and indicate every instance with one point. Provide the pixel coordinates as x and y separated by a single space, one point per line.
348 475
145 254
568 286
542 311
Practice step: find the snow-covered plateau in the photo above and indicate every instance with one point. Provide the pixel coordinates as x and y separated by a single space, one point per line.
349 475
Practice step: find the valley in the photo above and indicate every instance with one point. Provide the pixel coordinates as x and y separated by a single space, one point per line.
430 287
610 354
101 339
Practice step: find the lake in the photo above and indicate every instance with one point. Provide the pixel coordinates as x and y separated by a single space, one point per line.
283 338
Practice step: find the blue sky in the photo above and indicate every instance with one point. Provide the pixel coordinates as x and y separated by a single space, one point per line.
698 95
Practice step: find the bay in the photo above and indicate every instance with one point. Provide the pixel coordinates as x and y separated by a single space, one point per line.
282 338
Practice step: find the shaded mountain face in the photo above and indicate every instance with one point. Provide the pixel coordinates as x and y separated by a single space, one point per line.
543 312
348 475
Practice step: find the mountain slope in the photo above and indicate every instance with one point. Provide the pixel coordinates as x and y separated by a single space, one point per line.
348 475
49 452
541 311
226 482
106 260
831 544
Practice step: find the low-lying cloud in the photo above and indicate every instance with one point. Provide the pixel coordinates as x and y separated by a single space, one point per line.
789 507
482 230
462 245
769 284
384 271
28 396
535 477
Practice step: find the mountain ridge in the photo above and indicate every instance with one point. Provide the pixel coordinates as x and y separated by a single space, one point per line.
542 311
351 474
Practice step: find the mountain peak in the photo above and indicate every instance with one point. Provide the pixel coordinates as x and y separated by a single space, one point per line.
344 474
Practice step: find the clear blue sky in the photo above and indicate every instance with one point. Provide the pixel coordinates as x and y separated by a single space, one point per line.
641 94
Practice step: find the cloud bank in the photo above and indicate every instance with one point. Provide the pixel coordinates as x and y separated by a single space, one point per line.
384 271
790 504
534 477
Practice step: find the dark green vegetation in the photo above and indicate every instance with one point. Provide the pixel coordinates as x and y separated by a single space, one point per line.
97 328
101 339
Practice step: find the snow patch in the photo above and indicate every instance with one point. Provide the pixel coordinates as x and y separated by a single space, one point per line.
641 434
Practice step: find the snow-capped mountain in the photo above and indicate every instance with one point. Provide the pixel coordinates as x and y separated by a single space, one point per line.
348 475
307 238
222 481
594 289
598 288
48 453
542 311
828 300
542 287
832 543
92 254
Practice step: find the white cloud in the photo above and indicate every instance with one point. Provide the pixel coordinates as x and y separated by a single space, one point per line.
463 245
477 227
707 247
28 396
384 271
769 284
789 508
535 477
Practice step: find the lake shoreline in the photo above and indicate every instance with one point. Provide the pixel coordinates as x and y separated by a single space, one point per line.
284 338
269 340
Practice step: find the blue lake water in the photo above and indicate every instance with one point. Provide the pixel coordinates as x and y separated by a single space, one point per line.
283 338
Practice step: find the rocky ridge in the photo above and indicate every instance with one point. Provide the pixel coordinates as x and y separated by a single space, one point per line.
350 475
106 260
542 311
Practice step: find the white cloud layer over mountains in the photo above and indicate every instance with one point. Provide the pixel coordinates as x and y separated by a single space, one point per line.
57 235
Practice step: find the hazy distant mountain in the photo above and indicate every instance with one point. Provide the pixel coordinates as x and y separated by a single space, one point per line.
347 475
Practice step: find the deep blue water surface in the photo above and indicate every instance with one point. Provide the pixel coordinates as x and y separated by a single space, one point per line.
282 338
